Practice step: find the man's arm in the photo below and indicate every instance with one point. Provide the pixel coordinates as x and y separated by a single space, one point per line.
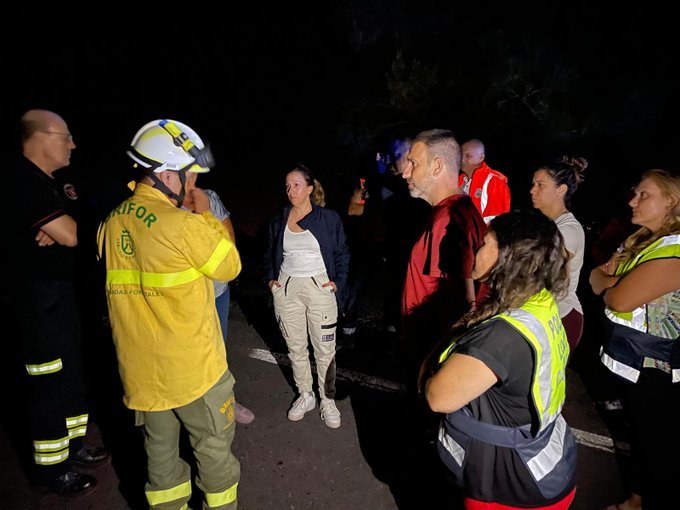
64 230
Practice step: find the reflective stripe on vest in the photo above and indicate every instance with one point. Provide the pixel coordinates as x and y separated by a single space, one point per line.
550 455
638 319
538 320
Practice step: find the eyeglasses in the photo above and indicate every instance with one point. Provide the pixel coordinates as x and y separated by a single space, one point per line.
67 136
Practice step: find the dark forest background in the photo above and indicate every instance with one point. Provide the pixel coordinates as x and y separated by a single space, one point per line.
325 83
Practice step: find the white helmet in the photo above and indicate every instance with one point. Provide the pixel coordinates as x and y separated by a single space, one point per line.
170 145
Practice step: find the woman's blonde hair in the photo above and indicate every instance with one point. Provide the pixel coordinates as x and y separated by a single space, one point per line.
318 195
643 237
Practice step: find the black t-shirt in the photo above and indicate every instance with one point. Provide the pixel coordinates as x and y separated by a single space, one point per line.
37 199
494 473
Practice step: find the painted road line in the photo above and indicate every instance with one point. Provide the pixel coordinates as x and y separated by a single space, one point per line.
346 375
593 440
582 437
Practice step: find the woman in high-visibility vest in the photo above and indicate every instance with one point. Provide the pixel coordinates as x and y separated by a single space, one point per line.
640 286
501 384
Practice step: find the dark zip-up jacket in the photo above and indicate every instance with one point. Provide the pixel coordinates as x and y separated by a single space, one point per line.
326 226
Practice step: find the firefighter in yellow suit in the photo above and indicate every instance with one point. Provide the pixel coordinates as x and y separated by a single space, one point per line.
160 263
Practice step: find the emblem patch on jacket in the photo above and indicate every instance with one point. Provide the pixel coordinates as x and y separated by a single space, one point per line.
70 191
124 245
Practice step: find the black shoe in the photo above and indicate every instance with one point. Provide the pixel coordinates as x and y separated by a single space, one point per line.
72 483
89 455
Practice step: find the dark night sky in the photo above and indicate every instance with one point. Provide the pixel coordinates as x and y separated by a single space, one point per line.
268 87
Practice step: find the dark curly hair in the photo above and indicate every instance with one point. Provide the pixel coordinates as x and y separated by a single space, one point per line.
567 170
531 257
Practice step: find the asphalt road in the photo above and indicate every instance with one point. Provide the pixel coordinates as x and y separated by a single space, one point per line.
375 461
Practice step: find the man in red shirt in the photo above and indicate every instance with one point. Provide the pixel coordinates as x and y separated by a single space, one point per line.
488 188
439 288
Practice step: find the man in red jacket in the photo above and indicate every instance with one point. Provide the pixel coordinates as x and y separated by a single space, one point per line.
487 187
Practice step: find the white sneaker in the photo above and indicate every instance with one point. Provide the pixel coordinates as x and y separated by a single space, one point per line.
302 405
330 414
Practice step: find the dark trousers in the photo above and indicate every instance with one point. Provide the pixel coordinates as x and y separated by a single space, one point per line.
51 350
651 404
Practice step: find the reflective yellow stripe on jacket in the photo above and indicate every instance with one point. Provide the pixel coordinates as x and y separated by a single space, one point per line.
160 262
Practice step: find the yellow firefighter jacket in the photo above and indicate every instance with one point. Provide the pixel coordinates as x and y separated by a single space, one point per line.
159 264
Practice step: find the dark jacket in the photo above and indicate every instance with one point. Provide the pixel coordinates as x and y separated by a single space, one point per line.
326 226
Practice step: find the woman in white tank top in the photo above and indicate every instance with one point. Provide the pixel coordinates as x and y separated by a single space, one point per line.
551 191
308 259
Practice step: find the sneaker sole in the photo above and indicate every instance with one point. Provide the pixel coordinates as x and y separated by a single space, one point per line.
332 425
298 418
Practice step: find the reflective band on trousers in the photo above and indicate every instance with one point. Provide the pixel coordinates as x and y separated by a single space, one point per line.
72 421
50 445
182 490
77 432
45 368
77 425
49 459
217 499
162 280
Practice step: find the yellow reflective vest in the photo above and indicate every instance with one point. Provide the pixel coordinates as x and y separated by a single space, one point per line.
160 263
550 453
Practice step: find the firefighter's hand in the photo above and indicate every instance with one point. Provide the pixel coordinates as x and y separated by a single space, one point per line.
200 200
43 239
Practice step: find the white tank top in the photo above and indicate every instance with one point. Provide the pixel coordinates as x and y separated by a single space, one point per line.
301 254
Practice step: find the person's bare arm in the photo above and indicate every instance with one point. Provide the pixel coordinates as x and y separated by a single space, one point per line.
600 281
470 290
461 379
230 228
644 284
63 230
602 277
